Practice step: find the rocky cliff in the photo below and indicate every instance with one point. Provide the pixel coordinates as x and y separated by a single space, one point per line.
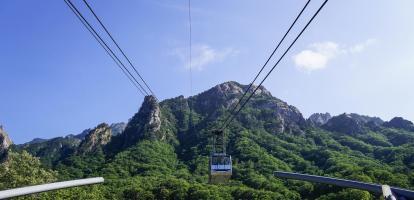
161 155
223 97
95 139
319 119
5 142
117 128
146 123
352 123
400 123
188 121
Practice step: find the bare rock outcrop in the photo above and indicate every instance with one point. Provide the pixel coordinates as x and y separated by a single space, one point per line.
145 124
96 138
5 142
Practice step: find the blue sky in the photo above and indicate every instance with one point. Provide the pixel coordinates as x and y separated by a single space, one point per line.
56 80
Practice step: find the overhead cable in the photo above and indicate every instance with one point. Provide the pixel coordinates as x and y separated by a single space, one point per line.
274 66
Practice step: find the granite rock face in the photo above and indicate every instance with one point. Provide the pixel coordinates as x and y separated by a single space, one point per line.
145 124
367 119
400 123
344 123
287 118
224 95
5 142
352 123
117 128
319 119
280 117
96 138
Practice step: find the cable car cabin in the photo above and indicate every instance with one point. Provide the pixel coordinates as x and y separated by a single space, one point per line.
220 168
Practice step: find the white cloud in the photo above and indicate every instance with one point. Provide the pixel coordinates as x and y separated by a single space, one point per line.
358 48
318 55
310 60
203 55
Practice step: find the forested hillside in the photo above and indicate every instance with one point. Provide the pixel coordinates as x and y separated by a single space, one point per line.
162 153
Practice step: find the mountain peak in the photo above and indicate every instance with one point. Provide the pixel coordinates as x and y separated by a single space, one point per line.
210 104
352 123
146 123
400 123
97 137
367 119
235 88
344 123
5 142
319 119
224 95
117 128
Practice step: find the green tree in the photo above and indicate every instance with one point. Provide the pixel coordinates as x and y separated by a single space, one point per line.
22 169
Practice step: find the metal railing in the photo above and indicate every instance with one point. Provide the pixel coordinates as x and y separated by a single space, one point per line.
387 191
48 187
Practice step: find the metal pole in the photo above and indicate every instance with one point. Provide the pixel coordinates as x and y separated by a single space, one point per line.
48 187
376 188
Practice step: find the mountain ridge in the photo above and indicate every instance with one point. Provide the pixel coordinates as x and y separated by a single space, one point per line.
225 95
163 151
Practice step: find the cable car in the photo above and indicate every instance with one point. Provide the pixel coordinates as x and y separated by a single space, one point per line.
220 164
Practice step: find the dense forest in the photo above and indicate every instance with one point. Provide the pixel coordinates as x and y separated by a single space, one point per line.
162 152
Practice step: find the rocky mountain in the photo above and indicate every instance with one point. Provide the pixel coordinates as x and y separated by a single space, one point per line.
344 123
206 107
95 139
81 135
223 96
146 123
52 150
400 123
36 140
286 118
367 119
319 119
163 151
117 128
5 142
352 123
